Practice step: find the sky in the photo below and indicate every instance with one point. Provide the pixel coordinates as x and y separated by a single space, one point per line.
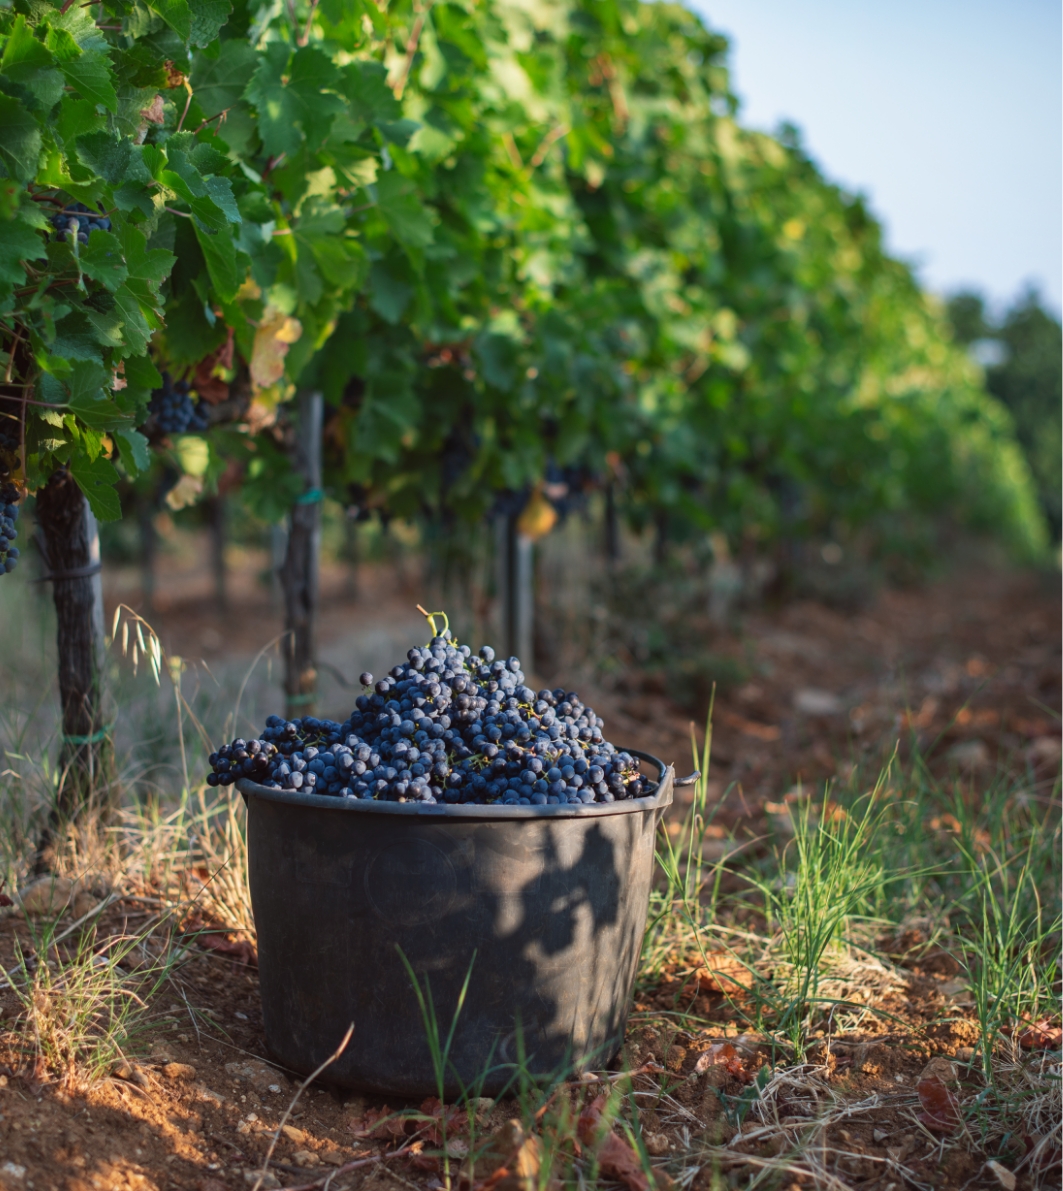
946 114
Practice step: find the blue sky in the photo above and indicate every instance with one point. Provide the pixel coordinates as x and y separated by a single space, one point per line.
945 113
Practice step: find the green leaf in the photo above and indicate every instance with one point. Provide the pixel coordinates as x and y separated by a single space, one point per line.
105 154
97 478
397 199
141 374
221 194
92 77
101 259
227 267
218 83
365 84
29 62
20 144
293 100
134 323
498 357
76 338
176 14
134 449
18 243
23 53
208 19
144 264
389 295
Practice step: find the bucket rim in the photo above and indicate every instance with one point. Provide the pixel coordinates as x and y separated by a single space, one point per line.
661 797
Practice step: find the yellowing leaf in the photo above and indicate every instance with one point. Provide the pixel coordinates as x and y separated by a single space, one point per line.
276 333
538 516
185 492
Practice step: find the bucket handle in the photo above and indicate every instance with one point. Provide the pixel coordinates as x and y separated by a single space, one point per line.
688 781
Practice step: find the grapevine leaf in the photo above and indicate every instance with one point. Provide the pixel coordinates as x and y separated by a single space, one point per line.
89 72
220 191
21 142
278 108
365 85
29 62
397 199
141 374
18 243
23 53
134 324
227 267
218 83
208 18
143 263
96 478
76 338
293 99
101 259
175 13
105 154
134 450
498 356
389 294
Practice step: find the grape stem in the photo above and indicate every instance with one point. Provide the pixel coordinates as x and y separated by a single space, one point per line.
431 618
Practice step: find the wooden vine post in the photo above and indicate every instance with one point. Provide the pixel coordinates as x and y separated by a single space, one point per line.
300 576
514 553
70 546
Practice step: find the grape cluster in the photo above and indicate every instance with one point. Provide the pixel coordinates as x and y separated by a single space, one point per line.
9 496
173 409
8 516
78 220
444 726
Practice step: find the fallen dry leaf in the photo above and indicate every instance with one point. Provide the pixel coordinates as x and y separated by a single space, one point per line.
240 950
440 1116
617 1159
722 972
510 1161
1044 1034
379 1122
941 1113
723 1054
1002 1175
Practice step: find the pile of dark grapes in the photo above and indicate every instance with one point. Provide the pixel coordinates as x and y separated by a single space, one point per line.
9 496
444 726
78 220
173 409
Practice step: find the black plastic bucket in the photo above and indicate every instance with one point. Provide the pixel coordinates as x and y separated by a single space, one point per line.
547 904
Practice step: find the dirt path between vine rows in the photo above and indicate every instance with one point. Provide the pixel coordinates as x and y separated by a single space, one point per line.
966 669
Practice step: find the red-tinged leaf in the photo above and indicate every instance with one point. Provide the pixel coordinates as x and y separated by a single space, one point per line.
211 388
941 1113
440 1116
590 1120
5 900
1044 1034
380 1123
241 950
723 1054
617 1160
